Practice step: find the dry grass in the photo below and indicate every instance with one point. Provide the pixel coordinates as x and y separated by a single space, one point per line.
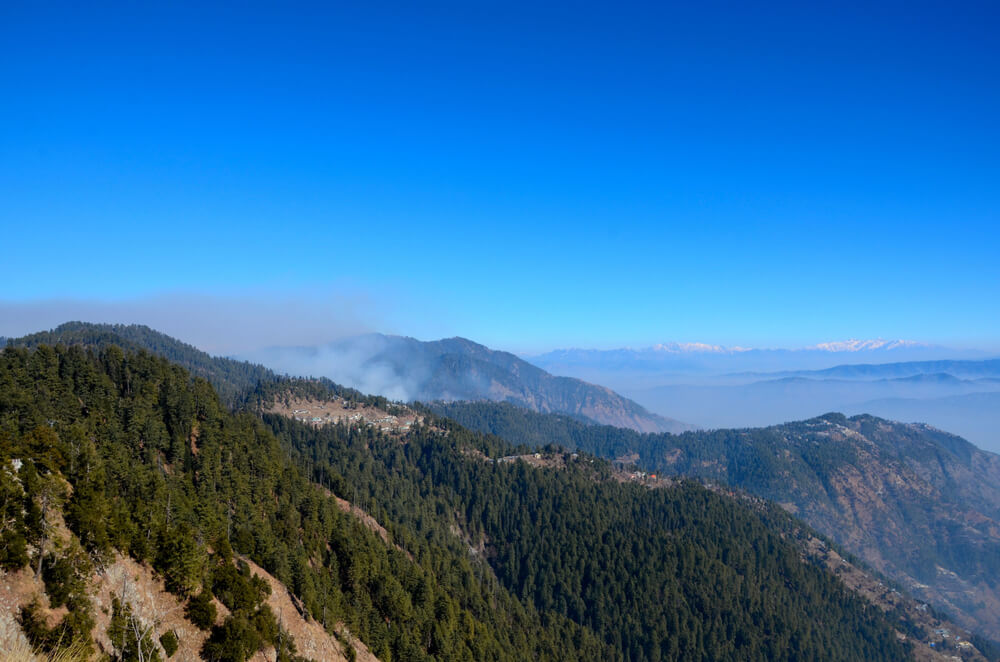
20 651
14 647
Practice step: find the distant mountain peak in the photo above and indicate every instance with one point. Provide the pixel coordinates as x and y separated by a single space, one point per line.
700 347
850 345
450 369
673 347
855 345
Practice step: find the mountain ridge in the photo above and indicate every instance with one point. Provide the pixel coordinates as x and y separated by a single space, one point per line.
408 369
274 380
898 369
230 485
915 502
618 366
836 346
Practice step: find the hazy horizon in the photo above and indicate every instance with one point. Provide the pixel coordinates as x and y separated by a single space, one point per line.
527 176
500 330
233 325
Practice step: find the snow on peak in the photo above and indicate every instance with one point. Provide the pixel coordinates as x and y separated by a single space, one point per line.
854 345
696 348
679 347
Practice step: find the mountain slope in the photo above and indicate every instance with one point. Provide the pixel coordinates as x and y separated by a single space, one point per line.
917 503
459 369
974 416
961 406
141 460
230 378
392 366
480 559
627 561
235 381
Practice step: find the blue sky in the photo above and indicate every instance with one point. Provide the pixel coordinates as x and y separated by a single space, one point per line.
527 176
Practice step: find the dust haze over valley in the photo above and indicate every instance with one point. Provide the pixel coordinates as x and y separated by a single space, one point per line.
953 389
460 332
701 385
875 486
696 385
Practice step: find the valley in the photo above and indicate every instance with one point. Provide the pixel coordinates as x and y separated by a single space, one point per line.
389 467
500 332
458 369
717 387
915 503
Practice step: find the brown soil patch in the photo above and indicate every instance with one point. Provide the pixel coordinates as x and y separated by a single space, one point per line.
311 640
153 606
162 611
339 411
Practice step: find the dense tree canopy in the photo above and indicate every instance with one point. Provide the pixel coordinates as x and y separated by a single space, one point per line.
485 560
803 463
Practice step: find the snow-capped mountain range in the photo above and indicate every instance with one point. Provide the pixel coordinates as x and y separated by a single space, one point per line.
718 386
695 358
852 345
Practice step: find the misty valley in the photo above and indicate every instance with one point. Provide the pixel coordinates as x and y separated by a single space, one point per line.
499 332
162 503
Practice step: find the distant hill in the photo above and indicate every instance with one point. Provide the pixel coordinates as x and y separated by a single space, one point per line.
459 369
237 382
959 396
232 379
396 367
975 416
919 504
627 366
903 369
430 544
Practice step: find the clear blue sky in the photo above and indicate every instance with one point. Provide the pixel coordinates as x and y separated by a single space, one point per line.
527 176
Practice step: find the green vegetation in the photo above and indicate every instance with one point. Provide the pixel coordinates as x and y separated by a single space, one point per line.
238 383
169 642
231 379
129 637
484 560
659 574
158 468
927 479
200 610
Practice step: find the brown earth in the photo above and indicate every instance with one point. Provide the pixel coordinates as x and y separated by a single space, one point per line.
161 611
332 412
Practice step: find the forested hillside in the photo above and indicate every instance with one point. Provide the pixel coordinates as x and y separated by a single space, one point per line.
677 573
483 560
143 459
238 383
917 503
459 369
231 379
